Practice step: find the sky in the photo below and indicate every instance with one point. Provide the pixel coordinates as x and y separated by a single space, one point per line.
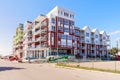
100 14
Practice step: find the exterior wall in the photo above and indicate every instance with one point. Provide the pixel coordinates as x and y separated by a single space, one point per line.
18 42
95 44
56 34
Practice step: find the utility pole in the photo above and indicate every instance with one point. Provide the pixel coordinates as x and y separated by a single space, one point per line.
117 46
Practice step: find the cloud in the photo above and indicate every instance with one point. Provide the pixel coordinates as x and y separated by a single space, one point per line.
115 32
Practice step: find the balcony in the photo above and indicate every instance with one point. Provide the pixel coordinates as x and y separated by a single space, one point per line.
43 38
82 41
29 35
44 24
83 47
92 42
92 36
92 48
43 31
100 49
37 39
82 35
37 32
101 43
29 29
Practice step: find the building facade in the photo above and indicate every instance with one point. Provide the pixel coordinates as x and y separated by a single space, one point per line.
56 34
18 42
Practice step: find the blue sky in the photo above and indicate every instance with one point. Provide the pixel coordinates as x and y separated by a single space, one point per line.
101 14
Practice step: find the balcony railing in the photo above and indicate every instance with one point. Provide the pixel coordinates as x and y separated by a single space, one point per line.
92 48
83 47
92 36
82 35
82 41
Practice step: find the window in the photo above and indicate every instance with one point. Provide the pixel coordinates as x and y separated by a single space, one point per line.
71 23
77 39
69 43
53 28
59 35
69 37
52 34
66 14
76 32
65 22
60 20
53 20
63 36
96 42
87 34
71 31
71 16
61 12
58 12
59 43
104 38
87 40
65 29
59 28
78 45
74 38
96 36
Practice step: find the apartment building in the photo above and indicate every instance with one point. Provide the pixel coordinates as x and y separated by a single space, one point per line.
18 41
93 42
56 34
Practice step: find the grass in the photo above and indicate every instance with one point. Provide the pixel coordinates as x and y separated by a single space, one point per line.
87 68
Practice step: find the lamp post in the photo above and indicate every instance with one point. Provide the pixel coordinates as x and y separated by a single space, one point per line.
117 54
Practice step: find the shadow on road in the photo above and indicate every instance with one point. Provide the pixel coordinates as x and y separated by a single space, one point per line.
9 68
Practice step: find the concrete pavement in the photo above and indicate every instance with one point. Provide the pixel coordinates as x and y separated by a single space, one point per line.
25 71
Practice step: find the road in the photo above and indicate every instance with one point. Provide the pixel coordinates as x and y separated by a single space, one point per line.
47 71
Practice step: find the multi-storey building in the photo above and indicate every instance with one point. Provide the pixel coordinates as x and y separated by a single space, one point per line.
18 42
27 38
56 34
93 42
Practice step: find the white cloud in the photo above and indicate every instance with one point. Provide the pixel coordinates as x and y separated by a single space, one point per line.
115 32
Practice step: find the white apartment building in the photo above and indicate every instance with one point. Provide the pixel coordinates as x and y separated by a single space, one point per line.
55 34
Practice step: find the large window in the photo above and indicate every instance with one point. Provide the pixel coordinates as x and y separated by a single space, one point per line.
74 38
53 28
66 29
65 22
63 36
59 28
59 35
87 40
66 14
77 32
87 34
71 16
71 23
71 31
52 34
53 20
70 43
69 37
60 20
97 42
96 36
59 43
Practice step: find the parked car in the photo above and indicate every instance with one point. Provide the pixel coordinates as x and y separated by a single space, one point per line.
12 58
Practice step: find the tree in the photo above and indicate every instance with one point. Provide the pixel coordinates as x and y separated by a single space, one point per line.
113 51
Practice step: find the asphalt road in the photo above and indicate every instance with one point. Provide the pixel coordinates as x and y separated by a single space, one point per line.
25 71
